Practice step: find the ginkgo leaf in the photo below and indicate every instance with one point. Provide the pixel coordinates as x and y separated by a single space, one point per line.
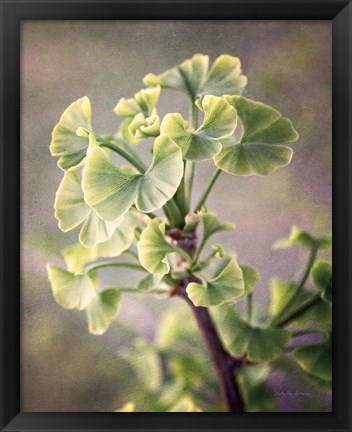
150 282
243 340
212 225
250 278
221 284
71 210
76 256
144 127
316 359
153 248
143 102
110 192
286 300
70 291
193 77
102 310
70 147
260 150
220 121
322 278
297 236
121 239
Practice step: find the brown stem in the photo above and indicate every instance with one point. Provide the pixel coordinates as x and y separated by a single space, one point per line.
224 364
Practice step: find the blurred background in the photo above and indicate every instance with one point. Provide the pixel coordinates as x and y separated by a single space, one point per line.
288 65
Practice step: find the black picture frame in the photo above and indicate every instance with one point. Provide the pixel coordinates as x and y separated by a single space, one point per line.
12 13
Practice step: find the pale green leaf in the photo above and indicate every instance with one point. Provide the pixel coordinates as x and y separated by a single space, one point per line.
223 283
111 191
322 278
76 256
260 151
102 311
70 291
297 236
316 359
144 127
261 123
153 248
121 239
71 210
220 121
70 207
243 340
253 158
193 77
65 143
143 102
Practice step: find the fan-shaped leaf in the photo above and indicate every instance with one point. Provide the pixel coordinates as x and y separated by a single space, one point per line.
70 147
111 191
76 256
243 340
316 359
71 210
220 121
260 151
143 102
153 248
193 78
102 310
223 283
70 291
250 278
297 236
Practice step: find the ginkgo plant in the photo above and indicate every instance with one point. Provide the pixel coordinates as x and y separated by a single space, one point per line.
115 202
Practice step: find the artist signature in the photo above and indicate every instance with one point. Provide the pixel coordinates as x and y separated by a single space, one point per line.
291 393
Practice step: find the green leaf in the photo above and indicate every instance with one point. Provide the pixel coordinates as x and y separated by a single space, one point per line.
193 78
71 210
102 311
111 191
220 121
316 359
185 404
212 225
144 127
70 291
153 248
260 151
297 236
121 239
65 143
250 278
322 278
76 256
143 102
221 284
243 340
150 282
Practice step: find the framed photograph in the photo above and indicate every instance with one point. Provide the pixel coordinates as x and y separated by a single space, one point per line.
175 215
